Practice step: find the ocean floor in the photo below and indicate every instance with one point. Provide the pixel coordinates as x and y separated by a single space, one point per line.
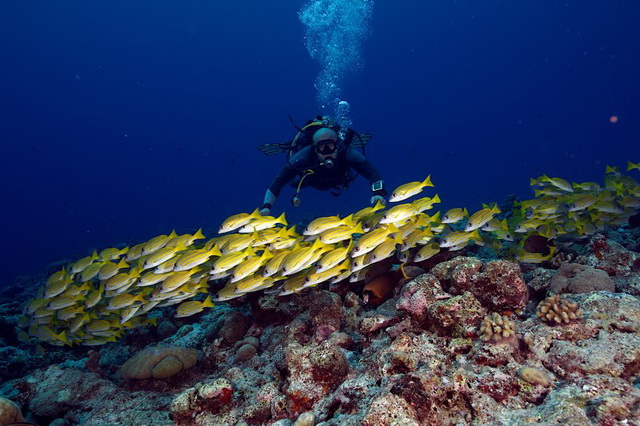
460 339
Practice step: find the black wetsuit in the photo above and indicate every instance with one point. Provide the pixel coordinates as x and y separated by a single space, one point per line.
323 178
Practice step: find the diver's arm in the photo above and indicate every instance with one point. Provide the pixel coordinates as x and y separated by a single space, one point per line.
299 161
285 175
360 164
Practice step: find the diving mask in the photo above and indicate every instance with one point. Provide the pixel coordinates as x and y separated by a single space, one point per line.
326 147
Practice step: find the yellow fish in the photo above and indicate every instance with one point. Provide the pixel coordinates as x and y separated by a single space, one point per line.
60 276
321 224
112 253
193 258
186 309
228 292
69 312
526 257
122 279
341 233
47 334
185 240
151 278
479 218
81 264
109 269
127 313
368 211
426 203
124 300
166 266
156 243
56 287
294 284
398 213
263 222
238 220
134 252
631 166
558 183
372 239
228 261
161 255
454 215
176 280
61 302
238 242
273 265
409 190
333 258
79 322
459 237
426 252
94 297
253 283
494 224
249 266
326 274
300 259
91 271
385 249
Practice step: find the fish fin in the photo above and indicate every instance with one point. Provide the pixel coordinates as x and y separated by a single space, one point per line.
207 302
198 235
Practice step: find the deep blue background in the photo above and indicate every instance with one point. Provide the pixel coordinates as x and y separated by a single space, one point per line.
122 120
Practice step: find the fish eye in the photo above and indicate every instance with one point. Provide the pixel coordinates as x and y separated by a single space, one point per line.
356 249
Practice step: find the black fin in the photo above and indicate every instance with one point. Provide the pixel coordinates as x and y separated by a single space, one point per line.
275 148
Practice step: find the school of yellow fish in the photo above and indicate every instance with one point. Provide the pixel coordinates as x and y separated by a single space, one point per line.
97 298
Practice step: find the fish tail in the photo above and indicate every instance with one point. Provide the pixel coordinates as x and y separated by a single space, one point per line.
207 302
349 220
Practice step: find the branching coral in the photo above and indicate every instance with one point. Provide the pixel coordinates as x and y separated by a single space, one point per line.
496 328
556 310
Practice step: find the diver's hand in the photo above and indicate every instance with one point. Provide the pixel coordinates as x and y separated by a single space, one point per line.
377 198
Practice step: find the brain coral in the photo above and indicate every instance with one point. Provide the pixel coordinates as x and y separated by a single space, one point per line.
9 412
159 363
575 278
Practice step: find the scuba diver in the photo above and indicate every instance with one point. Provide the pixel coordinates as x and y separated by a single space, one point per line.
323 155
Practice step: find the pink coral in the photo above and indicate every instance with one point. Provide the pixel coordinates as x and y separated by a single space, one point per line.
575 278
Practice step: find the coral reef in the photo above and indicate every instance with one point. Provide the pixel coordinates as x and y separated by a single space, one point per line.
463 337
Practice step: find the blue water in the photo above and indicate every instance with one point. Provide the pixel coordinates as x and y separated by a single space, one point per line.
122 120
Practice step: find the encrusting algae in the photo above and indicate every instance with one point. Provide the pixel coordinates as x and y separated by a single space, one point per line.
97 298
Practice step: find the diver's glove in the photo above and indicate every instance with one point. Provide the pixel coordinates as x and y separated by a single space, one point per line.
269 199
265 210
377 198
379 192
